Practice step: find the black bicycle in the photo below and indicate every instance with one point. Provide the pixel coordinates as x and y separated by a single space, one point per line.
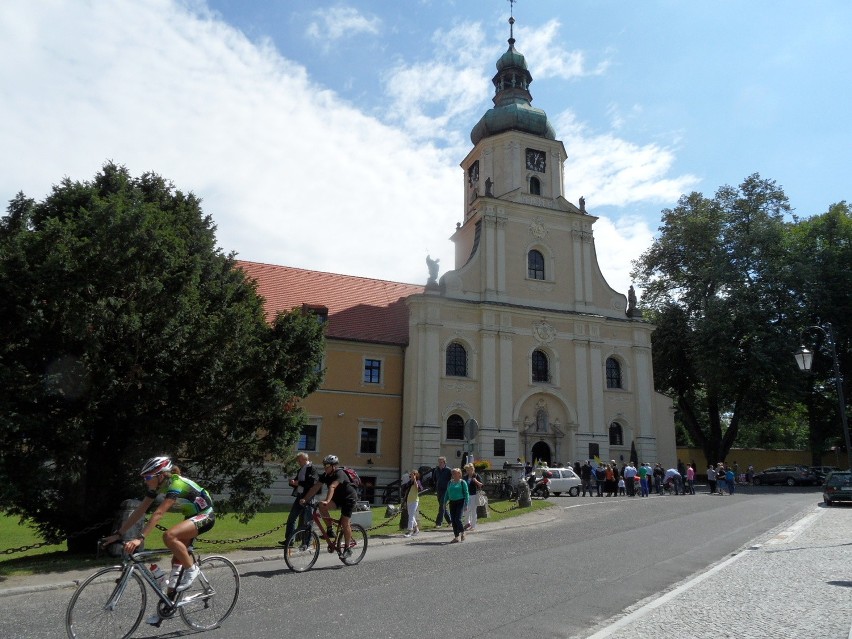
111 603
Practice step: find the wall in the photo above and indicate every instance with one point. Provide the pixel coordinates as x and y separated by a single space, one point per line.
760 458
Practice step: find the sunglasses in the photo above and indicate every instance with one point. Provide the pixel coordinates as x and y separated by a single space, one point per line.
150 477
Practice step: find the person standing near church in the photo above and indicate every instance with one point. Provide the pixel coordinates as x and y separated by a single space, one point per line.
306 477
441 476
474 485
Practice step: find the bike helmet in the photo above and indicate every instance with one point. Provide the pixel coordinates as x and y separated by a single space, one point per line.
331 460
156 465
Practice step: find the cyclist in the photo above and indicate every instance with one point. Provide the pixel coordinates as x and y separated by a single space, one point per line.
341 494
162 477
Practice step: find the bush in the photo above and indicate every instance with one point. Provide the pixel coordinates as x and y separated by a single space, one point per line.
482 464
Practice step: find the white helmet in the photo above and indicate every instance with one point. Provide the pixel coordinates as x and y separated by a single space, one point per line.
156 465
332 460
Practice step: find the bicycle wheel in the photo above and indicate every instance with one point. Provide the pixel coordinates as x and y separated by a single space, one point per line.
302 550
213 594
97 609
358 546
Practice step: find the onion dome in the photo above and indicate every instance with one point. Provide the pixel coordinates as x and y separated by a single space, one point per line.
512 110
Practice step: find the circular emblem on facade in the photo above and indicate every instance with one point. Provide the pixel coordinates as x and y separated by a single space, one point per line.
537 229
544 332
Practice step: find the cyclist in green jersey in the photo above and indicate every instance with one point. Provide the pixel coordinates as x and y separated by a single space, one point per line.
181 494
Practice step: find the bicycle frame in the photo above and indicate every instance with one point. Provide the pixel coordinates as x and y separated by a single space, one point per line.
137 563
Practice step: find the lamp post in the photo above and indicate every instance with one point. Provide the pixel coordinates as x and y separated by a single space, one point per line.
805 358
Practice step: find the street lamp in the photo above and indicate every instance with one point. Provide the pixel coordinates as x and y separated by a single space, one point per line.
805 358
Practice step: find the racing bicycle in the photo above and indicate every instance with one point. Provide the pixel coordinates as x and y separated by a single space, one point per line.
303 547
111 603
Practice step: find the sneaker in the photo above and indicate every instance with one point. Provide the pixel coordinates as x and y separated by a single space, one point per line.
409 533
467 526
154 620
416 530
462 536
347 553
189 576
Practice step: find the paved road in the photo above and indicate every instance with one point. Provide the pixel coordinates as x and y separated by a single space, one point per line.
570 572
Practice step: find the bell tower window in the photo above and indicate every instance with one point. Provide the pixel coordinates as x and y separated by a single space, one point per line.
535 186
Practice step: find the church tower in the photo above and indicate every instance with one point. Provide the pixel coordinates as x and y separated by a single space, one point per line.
523 350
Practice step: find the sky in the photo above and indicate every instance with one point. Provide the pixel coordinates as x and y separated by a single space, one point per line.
328 135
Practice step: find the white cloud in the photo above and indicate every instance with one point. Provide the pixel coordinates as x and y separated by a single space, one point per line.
289 172
609 170
427 98
330 25
545 54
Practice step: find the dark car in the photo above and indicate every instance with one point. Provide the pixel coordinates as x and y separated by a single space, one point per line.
838 487
823 471
791 475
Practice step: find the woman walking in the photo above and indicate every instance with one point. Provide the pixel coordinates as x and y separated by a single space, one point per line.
458 498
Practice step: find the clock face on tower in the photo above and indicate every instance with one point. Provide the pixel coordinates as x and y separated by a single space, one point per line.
535 160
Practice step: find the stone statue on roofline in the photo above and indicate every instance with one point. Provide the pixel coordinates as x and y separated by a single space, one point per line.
432 265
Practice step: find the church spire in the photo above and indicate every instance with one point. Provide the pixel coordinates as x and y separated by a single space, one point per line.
512 98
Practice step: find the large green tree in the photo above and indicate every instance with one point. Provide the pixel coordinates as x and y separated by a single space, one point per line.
127 333
820 273
713 283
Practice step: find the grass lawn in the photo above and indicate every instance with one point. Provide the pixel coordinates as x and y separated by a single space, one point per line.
266 529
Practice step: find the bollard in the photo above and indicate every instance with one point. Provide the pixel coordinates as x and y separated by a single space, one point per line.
482 506
524 498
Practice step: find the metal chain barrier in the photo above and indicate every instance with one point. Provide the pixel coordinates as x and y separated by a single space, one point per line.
54 542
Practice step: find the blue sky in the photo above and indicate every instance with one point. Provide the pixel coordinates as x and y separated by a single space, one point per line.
327 135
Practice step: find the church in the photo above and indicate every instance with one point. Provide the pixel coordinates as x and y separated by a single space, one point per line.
521 351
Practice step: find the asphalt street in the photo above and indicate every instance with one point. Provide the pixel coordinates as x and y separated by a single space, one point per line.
702 566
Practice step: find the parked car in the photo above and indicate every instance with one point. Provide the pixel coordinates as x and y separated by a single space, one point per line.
823 471
838 487
562 480
790 475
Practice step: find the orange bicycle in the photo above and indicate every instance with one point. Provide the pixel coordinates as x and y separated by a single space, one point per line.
303 547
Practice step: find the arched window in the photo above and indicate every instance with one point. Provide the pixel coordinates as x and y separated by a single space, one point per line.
535 186
456 360
455 427
540 369
616 435
535 265
613 373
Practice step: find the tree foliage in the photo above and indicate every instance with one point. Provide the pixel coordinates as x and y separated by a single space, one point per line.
820 250
714 284
127 333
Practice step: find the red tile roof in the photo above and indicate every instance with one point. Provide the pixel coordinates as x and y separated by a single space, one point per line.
359 308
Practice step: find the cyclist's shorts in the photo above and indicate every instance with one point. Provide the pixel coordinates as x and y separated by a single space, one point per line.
203 521
347 507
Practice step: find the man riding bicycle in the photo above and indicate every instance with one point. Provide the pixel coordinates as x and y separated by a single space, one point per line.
187 497
341 494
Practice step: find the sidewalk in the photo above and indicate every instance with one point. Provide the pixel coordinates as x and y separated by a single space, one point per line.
794 582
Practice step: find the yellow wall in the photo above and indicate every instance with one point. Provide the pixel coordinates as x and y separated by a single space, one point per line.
758 457
344 402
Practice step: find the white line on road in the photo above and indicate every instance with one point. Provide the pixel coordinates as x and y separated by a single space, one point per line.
785 536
